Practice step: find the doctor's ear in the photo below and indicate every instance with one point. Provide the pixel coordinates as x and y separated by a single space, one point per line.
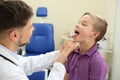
14 35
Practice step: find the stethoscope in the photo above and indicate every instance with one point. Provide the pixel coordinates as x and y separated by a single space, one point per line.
8 59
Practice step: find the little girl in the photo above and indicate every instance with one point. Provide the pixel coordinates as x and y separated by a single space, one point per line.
86 62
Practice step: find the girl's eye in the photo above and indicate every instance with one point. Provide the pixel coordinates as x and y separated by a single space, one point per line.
84 24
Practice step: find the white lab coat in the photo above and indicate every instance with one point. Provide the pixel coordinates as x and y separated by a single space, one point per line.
28 65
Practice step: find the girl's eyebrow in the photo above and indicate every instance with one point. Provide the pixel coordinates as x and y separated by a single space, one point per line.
82 21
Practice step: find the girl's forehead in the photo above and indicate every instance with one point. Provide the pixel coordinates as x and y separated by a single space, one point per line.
86 18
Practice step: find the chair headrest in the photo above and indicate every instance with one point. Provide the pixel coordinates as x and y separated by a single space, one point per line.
41 12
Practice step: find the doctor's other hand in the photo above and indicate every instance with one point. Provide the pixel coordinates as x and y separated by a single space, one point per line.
65 50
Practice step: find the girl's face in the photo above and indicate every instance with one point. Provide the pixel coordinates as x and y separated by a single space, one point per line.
84 29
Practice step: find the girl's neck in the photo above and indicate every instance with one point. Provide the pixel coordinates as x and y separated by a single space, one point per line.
84 47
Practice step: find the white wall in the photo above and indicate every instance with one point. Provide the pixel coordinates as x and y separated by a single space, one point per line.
116 51
64 14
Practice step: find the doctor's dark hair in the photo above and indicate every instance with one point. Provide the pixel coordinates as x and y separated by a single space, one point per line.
99 24
14 14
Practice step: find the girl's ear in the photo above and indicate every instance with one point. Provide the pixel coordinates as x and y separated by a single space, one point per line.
95 34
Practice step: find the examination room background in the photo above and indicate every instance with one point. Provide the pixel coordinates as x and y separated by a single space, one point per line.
64 14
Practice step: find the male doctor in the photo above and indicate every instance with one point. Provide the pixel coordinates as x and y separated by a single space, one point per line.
15 30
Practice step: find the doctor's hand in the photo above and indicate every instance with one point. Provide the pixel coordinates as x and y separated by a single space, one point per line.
65 50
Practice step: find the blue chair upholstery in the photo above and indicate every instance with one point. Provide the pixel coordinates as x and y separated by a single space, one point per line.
42 39
41 12
41 75
41 42
37 76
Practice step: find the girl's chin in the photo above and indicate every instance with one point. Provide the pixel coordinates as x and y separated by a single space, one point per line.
75 40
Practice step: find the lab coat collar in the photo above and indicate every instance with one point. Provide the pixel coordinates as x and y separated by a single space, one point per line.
6 53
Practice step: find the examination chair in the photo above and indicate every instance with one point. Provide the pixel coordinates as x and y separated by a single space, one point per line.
42 41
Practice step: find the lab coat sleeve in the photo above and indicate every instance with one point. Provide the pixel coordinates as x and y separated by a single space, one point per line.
57 72
36 63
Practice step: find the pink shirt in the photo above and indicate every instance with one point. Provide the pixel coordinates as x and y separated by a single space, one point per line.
90 66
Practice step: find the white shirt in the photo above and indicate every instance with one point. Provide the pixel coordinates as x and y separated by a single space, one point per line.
27 65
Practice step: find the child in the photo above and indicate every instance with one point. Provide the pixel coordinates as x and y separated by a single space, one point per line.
85 62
